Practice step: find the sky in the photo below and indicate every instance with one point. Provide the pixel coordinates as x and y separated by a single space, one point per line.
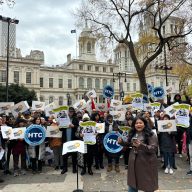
45 25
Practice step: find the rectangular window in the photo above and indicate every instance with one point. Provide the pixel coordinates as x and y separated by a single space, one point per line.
60 83
16 77
89 67
3 76
41 81
163 30
134 86
70 83
28 77
111 70
60 100
104 69
171 26
96 68
50 82
128 86
80 67
161 84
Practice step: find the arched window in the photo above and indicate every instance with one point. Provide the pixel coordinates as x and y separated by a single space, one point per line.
89 83
61 100
88 47
104 82
81 83
97 83
51 99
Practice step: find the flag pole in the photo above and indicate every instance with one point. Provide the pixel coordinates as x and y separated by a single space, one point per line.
76 44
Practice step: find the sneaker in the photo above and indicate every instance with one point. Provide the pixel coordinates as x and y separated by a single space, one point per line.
16 174
166 170
189 173
180 155
171 171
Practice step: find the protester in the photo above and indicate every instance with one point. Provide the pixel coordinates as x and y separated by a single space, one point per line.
68 134
111 125
37 153
142 169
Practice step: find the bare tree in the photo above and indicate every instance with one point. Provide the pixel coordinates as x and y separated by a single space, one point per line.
120 20
10 3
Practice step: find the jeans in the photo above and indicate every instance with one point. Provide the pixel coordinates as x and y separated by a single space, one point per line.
168 159
190 155
110 160
131 189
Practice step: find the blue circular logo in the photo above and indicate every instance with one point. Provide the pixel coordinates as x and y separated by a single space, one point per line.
110 142
108 91
158 92
35 135
150 88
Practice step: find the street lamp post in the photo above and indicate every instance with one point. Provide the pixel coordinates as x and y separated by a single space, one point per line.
8 21
68 99
119 75
164 67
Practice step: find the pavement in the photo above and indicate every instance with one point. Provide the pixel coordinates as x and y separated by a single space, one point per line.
51 180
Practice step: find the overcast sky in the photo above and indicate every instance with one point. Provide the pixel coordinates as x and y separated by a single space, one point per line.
45 25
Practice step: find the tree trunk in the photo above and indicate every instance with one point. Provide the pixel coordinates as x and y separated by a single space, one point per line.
142 81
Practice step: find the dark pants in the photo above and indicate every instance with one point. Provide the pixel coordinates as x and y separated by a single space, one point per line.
180 131
126 156
168 159
110 159
16 161
9 148
36 166
98 155
65 160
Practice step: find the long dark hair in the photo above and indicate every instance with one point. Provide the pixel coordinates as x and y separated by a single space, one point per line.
147 132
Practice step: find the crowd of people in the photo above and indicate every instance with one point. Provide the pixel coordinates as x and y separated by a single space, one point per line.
140 150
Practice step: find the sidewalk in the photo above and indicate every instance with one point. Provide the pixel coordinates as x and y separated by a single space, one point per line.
101 181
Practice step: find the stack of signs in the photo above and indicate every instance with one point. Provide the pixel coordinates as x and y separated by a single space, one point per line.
166 125
38 106
62 116
74 146
108 92
89 132
53 131
49 109
137 102
158 93
19 108
13 133
35 135
110 142
125 132
5 107
80 105
182 115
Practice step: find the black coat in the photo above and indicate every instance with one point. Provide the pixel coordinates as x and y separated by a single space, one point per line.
75 122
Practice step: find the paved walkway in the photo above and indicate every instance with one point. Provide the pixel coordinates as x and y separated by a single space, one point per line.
52 181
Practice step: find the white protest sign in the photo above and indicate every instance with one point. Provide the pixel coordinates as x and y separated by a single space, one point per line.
89 138
100 127
115 103
5 107
80 105
18 133
74 146
19 108
62 116
38 105
182 115
118 115
53 131
49 109
7 132
166 125
170 110
91 94
137 101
